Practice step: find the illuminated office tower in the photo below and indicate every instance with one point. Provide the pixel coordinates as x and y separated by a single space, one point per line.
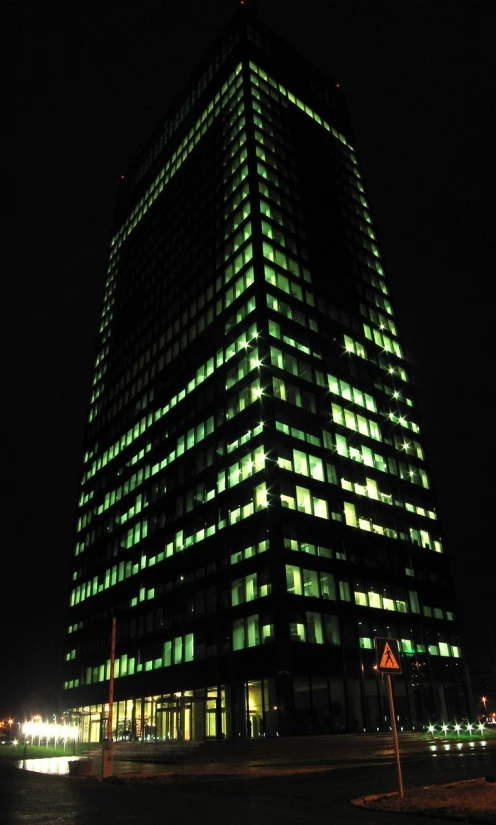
255 506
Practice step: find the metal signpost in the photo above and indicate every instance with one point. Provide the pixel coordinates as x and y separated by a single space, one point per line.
388 662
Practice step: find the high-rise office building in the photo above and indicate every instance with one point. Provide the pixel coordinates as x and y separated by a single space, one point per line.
255 506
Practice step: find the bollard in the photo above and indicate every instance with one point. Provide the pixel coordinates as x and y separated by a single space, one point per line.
107 759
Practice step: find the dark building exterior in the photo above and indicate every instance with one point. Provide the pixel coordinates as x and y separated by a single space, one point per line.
255 505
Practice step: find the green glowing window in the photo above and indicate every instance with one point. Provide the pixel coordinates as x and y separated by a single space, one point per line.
266 633
308 465
289 312
297 632
268 84
293 395
261 501
287 500
269 210
304 500
276 195
189 647
181 153
374 599
293 580
178 650
348 419
246 632
327 585
310 583
414 601
350 514
237 592
361 598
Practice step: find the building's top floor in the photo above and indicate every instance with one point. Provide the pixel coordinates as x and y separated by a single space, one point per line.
247 36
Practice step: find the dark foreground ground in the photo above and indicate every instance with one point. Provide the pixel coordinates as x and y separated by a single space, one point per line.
292 781
472 800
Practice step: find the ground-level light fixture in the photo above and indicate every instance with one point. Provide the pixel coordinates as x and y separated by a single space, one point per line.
46 730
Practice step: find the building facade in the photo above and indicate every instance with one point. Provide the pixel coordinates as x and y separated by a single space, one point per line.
255 505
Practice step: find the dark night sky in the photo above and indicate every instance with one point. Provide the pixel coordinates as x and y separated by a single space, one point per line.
88 83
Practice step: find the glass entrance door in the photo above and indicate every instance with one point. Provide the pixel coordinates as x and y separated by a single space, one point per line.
174 720
167 721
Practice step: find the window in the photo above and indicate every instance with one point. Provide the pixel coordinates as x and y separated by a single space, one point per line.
315 632
238 640
310 583
306 502
327 586
293 580
246 632
375 599
361 598
303 500
297 632
331 630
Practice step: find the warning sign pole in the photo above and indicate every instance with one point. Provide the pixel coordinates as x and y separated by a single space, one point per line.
395 732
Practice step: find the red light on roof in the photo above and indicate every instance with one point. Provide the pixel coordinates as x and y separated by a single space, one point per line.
338 85
123 177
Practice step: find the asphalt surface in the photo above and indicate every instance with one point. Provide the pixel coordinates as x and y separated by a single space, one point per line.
254 783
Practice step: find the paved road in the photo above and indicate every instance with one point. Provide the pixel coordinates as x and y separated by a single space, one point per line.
243 755
316 797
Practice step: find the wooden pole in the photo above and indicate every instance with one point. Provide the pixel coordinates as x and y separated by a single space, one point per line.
107 748
111 682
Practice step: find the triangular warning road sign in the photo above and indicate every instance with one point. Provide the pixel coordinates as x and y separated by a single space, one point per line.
388 659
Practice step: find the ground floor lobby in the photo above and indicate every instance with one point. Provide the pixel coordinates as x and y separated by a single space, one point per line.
272 707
